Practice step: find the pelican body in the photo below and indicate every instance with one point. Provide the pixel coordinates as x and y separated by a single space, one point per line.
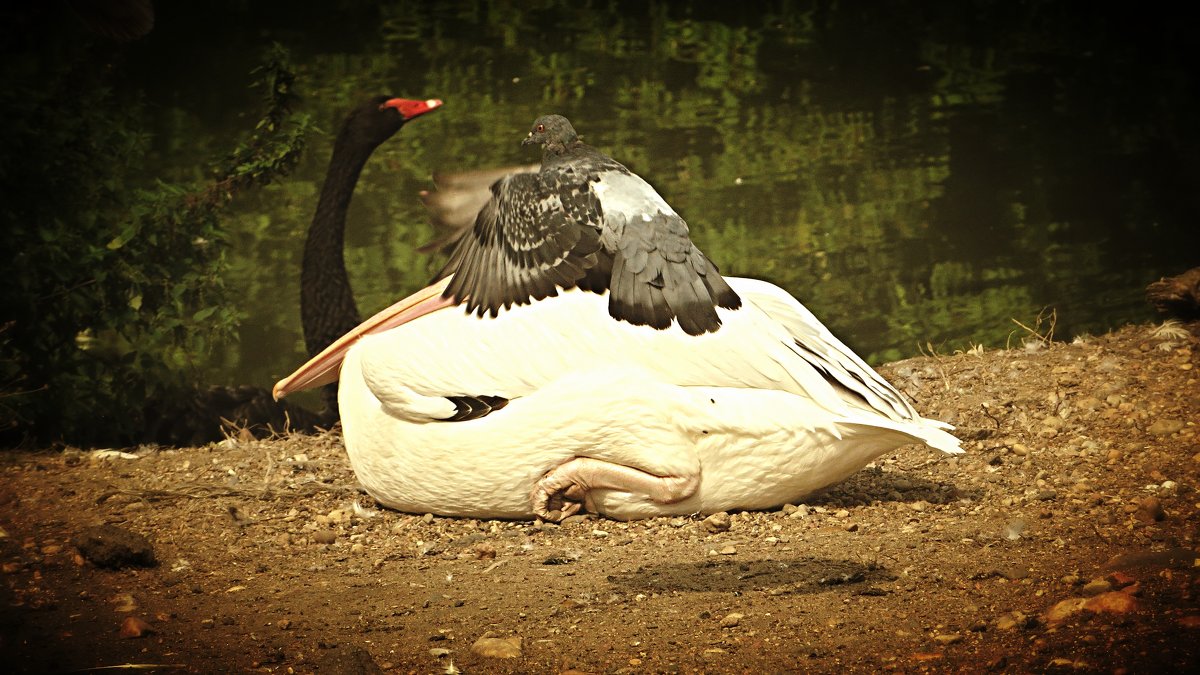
626 421
579 352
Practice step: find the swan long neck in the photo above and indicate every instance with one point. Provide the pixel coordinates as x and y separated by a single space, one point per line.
327 305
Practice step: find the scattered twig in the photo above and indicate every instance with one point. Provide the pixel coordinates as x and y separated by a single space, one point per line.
988 412
132 666
1045 338
933 353
195 491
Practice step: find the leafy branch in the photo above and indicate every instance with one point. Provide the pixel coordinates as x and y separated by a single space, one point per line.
119 290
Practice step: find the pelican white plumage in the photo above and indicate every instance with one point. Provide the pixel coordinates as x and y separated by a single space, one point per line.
655 387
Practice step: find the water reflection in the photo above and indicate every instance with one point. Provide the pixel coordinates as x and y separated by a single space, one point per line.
914 175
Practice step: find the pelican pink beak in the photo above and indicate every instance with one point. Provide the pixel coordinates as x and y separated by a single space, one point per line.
326 366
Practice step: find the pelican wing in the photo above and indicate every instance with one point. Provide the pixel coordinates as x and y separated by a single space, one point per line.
413 368
814 343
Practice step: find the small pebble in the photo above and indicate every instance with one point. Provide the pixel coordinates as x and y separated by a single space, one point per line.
124 603
803 510
1065 608
114 547
1096 587
1165 427
1012 620
1150 510
1014 529
497 648
717 522
133 627
559 558
1112 602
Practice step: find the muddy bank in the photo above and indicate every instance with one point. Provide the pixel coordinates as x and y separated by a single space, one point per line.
1063 540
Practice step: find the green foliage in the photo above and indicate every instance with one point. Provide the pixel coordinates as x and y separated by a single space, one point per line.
914 174
114 291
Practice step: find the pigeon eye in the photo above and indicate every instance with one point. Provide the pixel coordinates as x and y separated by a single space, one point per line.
541 128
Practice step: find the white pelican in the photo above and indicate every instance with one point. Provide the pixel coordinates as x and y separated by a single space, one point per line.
603 363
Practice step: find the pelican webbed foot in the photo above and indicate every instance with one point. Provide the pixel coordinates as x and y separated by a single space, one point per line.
567 488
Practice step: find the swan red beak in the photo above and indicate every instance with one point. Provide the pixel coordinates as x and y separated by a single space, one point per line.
409 109
326 366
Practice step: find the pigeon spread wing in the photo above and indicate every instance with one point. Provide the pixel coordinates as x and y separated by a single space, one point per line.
658 275
594 227
539 233
458 199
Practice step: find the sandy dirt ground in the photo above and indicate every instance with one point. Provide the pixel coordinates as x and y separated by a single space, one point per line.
1064 540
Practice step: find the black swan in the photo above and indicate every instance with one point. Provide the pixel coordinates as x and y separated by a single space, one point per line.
327 307
327 304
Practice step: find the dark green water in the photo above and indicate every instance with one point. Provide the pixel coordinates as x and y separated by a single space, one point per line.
915 176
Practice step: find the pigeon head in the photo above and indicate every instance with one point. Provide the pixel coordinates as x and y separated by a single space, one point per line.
553 132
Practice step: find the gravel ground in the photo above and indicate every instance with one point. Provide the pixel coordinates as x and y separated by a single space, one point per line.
1064 540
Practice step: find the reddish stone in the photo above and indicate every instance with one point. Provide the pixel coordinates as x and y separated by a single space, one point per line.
133 627
1113 602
